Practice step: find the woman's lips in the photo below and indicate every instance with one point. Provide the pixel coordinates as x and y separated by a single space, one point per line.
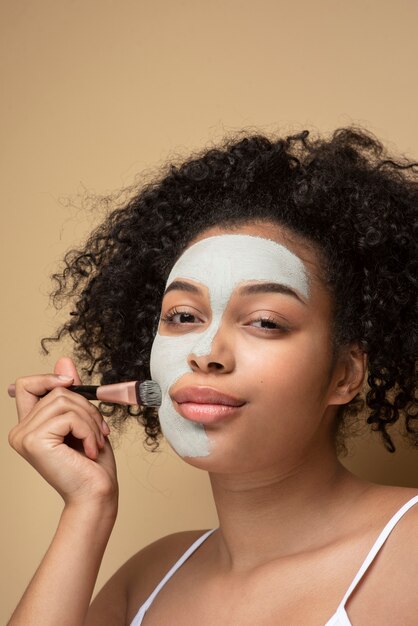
206 413
201 394
203 404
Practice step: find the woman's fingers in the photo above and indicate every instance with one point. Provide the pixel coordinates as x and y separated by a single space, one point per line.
65 367
65 451
11 390
72 423
29 390
60 401
47 435
60 433
44 397
33 408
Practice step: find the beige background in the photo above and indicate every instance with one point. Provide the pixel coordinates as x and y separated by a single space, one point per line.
95 91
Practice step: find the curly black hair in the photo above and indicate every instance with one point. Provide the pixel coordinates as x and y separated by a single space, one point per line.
343 194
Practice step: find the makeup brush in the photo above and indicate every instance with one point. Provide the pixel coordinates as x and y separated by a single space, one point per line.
147 393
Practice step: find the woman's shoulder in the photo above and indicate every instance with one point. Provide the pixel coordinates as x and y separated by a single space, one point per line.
120 598
148 566
407 525
390 585
394 496
385 501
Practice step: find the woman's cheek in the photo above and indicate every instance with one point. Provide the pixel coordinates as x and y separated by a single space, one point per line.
168 363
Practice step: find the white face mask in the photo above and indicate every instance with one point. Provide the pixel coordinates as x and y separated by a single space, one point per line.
220 263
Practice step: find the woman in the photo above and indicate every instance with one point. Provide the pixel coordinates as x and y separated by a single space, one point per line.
261 285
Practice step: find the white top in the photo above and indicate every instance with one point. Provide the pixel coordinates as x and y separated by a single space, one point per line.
340 617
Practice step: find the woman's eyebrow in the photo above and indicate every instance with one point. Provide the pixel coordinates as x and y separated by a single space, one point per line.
270 288
266 287
180 285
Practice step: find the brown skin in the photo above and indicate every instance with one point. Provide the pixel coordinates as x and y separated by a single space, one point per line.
276 461
45 422
294 524
292 518
85 477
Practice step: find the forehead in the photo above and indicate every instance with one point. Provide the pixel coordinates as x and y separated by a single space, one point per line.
226 260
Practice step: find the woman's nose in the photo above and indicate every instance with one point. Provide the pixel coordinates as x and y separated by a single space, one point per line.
213 352
204 364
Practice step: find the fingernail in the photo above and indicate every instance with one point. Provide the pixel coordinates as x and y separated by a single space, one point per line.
105 428
65 377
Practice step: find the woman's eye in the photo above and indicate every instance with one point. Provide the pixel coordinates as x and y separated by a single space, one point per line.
268 323
176 317
179 318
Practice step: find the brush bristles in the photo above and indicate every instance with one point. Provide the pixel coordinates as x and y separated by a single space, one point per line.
150 393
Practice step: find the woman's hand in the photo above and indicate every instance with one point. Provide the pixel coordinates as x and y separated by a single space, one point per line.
63 436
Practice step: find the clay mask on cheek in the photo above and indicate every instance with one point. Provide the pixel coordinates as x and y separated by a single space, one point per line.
220 263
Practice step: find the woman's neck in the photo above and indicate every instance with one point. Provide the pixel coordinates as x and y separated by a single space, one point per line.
278 512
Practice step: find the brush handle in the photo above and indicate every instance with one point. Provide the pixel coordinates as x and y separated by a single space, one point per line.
128 393
88 391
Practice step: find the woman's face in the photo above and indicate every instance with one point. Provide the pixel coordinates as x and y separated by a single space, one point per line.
269 347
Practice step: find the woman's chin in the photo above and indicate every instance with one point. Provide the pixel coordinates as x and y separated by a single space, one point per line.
218 462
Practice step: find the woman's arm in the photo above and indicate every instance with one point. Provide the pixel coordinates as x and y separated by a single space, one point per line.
62 436
61 589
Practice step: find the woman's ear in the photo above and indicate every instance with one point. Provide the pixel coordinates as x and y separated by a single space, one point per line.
349 374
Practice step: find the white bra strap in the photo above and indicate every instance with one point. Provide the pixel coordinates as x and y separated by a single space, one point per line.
377 545
175 567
